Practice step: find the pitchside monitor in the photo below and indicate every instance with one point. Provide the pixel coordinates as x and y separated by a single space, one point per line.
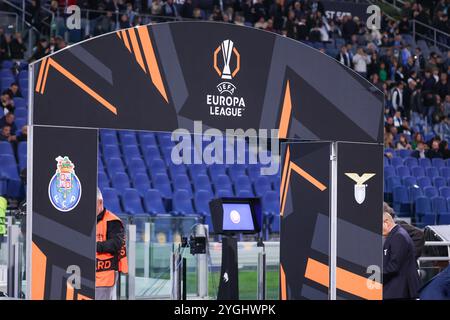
236 215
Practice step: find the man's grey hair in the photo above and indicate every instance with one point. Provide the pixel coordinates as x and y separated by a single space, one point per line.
99 194
388 209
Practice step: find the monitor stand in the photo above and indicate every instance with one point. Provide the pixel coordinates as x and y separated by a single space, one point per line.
229 282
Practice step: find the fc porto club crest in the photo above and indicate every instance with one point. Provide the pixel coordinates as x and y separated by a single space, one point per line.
64 189
360 187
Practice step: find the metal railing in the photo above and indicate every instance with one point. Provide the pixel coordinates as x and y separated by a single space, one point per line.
430 34
6 17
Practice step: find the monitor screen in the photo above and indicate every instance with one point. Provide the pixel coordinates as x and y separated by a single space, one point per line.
237 216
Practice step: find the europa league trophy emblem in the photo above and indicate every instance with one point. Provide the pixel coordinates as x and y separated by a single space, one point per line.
227 50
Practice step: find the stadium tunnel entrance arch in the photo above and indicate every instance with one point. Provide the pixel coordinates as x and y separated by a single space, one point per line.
165 76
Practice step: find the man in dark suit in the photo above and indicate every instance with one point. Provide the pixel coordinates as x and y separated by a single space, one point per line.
400 277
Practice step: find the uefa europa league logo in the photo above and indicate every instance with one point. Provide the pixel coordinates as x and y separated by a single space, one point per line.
227 49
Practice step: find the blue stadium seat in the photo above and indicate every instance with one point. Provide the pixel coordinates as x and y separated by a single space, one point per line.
111 151
151 153
439 205
202 199
6 148
411 162
430 192
222 182
424 182
135 166
8 167
254 171
108 137
423 207
444 218
414 193
386 161
409 181
177 169
402 203
445 172
397 161
242 183
147 139
103 181
389 171
404 153
444 192
270 203
120 182
439 182
130 152
418 171
141 183
164 139
114 165
161 182
182 202
391 183
236 171
157 166
132 203
275 223
438 162
425 162
262 185
196 170
216 170
127 138
224 193
21 112
181 182
432 172
111 200
447 162
153 202
20 103
403 171
202 183
22 153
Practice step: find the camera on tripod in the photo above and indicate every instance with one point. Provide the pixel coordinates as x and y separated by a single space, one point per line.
196 244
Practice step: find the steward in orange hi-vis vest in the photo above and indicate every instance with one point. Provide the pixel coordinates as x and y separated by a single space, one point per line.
111 249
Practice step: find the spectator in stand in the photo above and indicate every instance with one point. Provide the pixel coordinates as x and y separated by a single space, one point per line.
403 26
383 72
397 97
13 91
403 144
23 136
420 151
169 9
360 61
417 137
6 134
8 120
389 140
434 152
343 57
187 9
442 87
397 119
349 27
443 149
7 104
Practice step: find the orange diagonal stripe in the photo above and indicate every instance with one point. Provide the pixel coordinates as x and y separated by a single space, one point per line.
152 63
285 113
125 39
70 292
79 83
136 49
38 272
283 283
118 34
41 72
308 177
285 180
345 280
44 78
